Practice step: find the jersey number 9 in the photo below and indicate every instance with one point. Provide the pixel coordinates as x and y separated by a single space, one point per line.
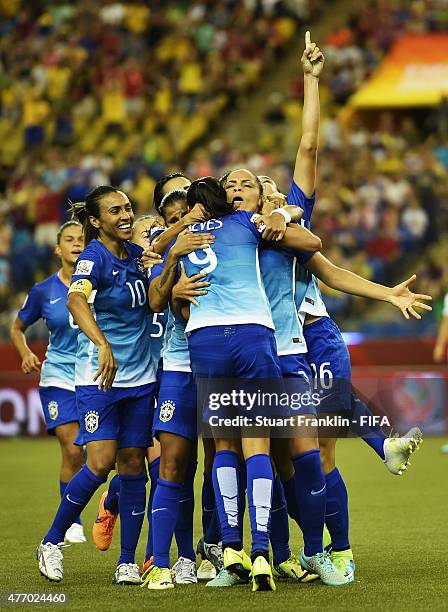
210 261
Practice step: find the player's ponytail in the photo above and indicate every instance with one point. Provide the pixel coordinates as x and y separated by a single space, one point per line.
209 192
82 211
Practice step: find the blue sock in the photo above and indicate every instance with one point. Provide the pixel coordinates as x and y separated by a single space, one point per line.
225 484
336 514
113 495
77 495
242 488
165 509
153 476
213 533
372 434
289 487
311 499
62 487
279 524
259 498
208 502
132 506
184 525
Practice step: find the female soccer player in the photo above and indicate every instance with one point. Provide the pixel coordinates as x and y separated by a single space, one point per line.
48 300
114 376
225 341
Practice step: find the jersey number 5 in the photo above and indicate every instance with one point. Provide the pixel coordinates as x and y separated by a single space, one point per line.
210 261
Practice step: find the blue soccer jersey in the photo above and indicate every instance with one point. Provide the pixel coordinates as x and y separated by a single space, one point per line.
48 300
175 352
278 269
236 294
157 329
308 297
120 307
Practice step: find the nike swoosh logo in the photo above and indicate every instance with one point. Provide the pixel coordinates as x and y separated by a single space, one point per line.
134 513
320 491
115 272
54 301
332 514
72 501
158 510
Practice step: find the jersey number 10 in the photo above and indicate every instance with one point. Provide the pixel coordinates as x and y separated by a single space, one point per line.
138 293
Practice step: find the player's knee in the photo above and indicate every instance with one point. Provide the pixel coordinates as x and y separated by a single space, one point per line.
101 466
131 462
172 469
327 456
73 456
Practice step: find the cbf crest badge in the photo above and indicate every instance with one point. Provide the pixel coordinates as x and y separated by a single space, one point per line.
91 421
53 410
166 411
140 267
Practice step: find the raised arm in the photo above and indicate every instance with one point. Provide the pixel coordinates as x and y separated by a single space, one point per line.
305 167
343 280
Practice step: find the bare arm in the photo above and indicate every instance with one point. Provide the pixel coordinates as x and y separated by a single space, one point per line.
305 166
300 239
30 361
161 287
84 319
349 282
441 341
196 215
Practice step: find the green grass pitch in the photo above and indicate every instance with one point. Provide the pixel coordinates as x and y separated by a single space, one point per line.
398 535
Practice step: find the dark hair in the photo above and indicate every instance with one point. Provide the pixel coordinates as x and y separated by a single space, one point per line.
170 198
64 226
209 192
223 179
81 211
158 189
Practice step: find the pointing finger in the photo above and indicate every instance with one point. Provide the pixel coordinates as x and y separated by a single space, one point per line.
307 38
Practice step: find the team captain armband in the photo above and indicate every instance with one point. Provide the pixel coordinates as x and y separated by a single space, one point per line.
82 285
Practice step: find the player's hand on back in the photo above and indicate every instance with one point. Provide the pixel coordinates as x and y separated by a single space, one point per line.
188 288
274 226
30 363
404 299
187 242
197 214
150 258
312 57
107 367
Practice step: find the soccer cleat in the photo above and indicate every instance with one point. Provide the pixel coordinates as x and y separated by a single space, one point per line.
343 561
321 564
157 579
238 562
75 534
184 571
103 527
211 552
398 450
225 579
291 568
147 564
127 573
206 571
51 561
262 578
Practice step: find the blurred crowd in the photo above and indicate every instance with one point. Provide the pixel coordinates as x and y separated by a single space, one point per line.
122 92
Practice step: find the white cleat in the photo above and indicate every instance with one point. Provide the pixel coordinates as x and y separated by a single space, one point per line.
184 571
51 561
75 534
127 573
397 451
206 571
